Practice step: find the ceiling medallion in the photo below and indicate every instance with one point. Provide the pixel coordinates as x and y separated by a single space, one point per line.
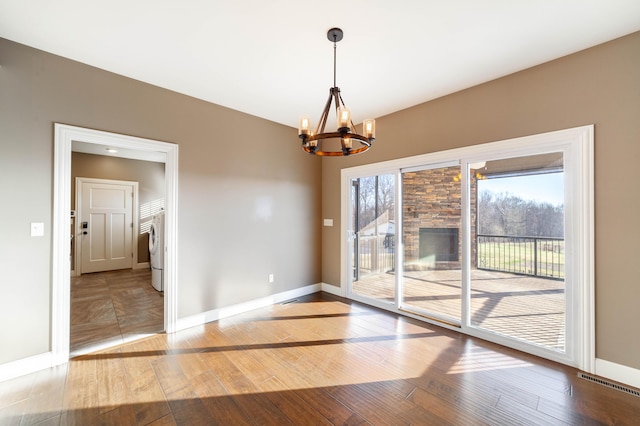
346 132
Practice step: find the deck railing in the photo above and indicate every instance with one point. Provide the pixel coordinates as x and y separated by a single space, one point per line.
375 254
535 256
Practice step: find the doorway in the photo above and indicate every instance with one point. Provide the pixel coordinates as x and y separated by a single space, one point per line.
64 137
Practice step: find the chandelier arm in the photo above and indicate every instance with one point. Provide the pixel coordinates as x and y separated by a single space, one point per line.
337 98
325 113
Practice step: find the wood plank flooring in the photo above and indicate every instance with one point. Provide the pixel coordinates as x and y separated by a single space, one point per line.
109 308
316 360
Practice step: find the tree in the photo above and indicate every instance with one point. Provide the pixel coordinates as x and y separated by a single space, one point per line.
508 214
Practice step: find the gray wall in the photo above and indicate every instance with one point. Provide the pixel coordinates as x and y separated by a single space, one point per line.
248 202
148 174
599 86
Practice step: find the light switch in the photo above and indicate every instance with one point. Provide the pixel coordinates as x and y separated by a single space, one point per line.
37 229
328 222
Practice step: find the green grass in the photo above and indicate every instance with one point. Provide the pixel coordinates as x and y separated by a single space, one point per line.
519 258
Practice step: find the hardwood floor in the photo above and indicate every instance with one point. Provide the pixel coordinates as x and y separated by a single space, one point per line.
109 308
316 360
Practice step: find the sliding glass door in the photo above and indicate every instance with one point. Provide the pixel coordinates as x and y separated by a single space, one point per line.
493 241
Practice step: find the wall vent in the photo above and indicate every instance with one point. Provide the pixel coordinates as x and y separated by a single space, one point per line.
609 384
289 301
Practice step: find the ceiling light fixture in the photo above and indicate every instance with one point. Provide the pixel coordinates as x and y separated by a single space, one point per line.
112 150
346 133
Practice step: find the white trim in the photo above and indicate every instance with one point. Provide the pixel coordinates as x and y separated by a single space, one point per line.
24 366
171 241
577 144
620 373
135 212
142 265
64 135
217 314
332 289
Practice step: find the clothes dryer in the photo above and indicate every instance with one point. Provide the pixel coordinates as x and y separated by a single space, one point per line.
156 251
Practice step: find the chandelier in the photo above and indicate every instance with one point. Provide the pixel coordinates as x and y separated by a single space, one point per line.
346 132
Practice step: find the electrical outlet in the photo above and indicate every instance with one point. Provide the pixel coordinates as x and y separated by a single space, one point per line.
270 278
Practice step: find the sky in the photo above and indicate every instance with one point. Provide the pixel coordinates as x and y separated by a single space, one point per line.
545 187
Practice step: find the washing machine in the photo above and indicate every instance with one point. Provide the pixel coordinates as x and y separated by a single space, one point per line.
156 251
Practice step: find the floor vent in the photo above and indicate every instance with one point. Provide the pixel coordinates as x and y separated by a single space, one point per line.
609 384
289 301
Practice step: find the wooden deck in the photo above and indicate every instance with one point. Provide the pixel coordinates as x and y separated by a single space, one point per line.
522 307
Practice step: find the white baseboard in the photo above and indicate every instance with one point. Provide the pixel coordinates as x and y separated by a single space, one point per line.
332 289
21 367
216 314
142 265
620 373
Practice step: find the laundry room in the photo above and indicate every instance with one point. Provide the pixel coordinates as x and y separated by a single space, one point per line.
116 204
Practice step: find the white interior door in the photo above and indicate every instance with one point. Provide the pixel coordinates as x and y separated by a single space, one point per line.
105 225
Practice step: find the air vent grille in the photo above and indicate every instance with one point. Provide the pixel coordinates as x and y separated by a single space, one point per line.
609 384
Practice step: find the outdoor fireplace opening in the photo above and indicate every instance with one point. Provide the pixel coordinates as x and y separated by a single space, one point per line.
438 245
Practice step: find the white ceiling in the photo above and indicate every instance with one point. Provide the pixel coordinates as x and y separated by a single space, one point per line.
272 58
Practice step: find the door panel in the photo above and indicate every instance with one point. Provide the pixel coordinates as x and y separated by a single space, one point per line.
97 249
108 211
431 217
517 280
119 235
373 237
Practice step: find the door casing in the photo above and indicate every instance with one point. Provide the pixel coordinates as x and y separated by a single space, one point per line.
64 135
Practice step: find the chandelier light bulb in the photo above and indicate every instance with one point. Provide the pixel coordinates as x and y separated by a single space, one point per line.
346 142
344 118
369 128
304 125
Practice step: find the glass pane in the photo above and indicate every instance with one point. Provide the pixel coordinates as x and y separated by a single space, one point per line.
517 277
431 216
373 222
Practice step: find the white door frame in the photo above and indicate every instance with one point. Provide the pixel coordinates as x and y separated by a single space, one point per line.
64 135
77 268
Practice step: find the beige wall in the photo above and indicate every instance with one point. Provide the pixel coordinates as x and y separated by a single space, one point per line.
599 86
248 202
148 174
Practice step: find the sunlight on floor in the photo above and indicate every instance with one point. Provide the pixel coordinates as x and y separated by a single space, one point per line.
479 359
